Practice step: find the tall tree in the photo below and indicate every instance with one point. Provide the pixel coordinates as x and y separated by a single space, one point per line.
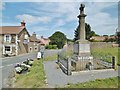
118 38
59 39
88 31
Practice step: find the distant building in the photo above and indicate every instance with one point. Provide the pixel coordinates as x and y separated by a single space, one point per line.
102 38
44 41
33 45
98 38
14 40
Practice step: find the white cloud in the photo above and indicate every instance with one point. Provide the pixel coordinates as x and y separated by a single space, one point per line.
59 14
33 19
60 22
101 22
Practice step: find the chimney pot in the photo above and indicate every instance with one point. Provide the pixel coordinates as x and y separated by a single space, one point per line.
34 34
23 23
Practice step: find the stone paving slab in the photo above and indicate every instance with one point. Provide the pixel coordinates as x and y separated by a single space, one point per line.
56 78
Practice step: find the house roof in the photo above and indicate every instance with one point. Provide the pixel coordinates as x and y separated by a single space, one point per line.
32 38
44 41
11 29
98 37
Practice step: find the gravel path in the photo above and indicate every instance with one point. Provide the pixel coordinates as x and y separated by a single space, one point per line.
56 78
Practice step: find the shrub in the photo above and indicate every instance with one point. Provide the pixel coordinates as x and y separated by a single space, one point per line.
51 47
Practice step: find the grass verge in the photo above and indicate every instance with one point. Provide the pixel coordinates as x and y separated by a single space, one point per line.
106 53
35 78
98 83
50 58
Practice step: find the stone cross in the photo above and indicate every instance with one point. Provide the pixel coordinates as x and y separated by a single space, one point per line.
81 17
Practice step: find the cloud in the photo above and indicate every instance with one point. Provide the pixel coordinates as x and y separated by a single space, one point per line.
59 23
63 14
101 22
33 19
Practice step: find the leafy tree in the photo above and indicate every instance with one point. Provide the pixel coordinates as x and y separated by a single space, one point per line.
89 33
59 39
118 37
105 35
76 34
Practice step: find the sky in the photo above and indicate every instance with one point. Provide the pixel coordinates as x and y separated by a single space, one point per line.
45 18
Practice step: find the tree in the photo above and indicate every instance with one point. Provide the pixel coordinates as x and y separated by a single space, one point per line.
59 39
118 38
88 31
105 35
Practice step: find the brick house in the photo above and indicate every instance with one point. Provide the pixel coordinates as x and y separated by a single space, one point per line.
102 38
98 38
34 45
14 40
44 41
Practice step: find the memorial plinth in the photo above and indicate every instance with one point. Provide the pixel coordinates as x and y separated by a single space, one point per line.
82 55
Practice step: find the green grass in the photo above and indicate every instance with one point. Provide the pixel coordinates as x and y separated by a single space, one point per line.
98 83
106 53
51 58
34 78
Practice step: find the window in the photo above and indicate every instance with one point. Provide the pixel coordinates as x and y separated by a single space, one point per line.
7 38
25 41
30 48
13 40
35 48
7 48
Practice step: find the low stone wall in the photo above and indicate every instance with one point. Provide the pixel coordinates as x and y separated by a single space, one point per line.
100 44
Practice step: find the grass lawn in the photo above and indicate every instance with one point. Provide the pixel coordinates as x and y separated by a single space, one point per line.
98 83
106 53
35 78
51 58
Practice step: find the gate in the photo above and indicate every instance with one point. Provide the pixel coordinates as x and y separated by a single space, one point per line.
64 61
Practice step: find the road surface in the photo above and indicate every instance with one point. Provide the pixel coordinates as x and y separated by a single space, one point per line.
8 64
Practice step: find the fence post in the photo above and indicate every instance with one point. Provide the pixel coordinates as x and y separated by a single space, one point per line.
58 58
114 62
68 66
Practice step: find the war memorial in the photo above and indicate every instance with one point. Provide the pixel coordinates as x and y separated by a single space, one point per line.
82 59
82 53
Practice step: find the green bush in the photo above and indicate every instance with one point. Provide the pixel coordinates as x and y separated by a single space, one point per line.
51 47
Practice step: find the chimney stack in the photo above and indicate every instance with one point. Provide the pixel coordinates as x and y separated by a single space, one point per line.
34 34
23 23
41 37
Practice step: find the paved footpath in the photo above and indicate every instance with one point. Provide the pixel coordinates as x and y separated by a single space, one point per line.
56 78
